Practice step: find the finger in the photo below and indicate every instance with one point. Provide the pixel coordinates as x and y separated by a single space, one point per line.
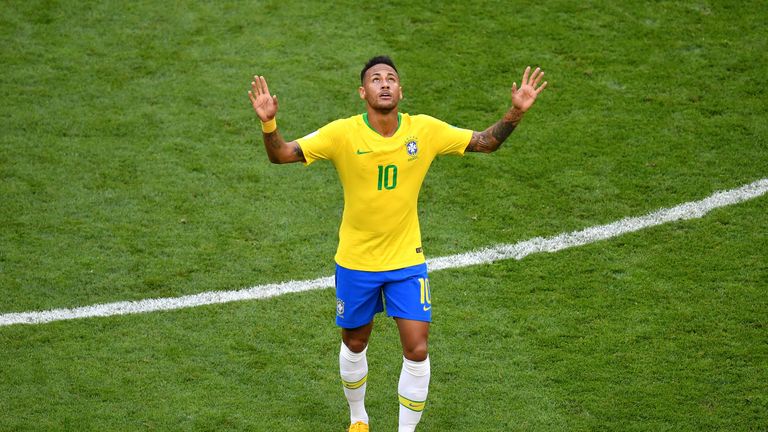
256 85
534 76
259 88
264 85
543 86
274 99
525 75
252 97
514 87
538 78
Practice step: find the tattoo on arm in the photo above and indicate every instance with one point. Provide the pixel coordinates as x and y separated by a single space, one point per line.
491 139
297 151
279 151
273 140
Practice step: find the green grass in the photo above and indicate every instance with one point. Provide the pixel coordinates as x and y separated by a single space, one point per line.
131 167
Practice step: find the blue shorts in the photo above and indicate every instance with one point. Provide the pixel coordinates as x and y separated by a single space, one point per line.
362 294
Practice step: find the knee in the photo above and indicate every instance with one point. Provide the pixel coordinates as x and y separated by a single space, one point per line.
356 345
417 352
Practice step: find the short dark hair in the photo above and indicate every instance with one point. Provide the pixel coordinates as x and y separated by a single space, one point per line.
382 59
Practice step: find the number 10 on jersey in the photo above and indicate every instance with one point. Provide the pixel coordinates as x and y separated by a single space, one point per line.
387 177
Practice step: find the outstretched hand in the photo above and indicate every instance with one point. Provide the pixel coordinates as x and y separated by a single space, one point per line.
263 102
525 96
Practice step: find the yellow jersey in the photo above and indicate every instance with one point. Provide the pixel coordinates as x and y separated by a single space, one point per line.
381 177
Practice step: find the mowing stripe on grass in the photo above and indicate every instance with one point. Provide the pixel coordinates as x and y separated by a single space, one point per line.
690 210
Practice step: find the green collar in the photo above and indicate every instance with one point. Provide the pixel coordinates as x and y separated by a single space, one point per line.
399 117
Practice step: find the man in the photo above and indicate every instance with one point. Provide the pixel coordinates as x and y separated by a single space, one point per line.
382 157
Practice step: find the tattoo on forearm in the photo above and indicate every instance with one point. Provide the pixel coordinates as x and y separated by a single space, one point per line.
279 151
273 140
501 130
491 139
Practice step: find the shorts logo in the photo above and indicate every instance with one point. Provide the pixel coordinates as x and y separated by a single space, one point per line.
412 147
339 307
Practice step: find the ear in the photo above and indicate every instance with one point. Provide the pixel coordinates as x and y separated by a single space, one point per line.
361 90
401 93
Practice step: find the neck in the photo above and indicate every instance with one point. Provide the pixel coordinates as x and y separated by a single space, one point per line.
383 122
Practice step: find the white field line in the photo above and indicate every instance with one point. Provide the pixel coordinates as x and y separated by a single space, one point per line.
689 210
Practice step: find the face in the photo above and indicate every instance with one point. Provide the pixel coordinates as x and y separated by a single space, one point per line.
381 88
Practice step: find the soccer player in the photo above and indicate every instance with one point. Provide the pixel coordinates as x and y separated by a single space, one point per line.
382 157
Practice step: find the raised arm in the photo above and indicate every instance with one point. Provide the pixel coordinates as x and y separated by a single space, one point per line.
265 106
523 98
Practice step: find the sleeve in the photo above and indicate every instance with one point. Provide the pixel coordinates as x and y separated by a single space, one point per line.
449 139
319 144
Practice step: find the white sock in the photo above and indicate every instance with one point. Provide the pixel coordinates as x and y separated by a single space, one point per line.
413 389
354 374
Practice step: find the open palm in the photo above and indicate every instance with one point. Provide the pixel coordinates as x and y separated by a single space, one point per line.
263 103
525 96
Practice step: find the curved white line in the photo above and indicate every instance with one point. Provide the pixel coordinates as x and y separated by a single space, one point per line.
690 210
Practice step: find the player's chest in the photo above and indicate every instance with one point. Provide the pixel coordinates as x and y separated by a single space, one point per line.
406 150
384 162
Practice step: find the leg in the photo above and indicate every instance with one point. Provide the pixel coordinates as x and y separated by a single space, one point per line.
409 300
414 377
413 338
358 299
356 339
353 368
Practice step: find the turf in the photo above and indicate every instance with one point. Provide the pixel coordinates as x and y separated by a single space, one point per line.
131 167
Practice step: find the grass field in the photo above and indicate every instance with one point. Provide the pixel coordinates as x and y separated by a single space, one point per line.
131 167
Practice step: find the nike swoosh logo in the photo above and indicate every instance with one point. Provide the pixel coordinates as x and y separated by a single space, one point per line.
361 152
426 308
